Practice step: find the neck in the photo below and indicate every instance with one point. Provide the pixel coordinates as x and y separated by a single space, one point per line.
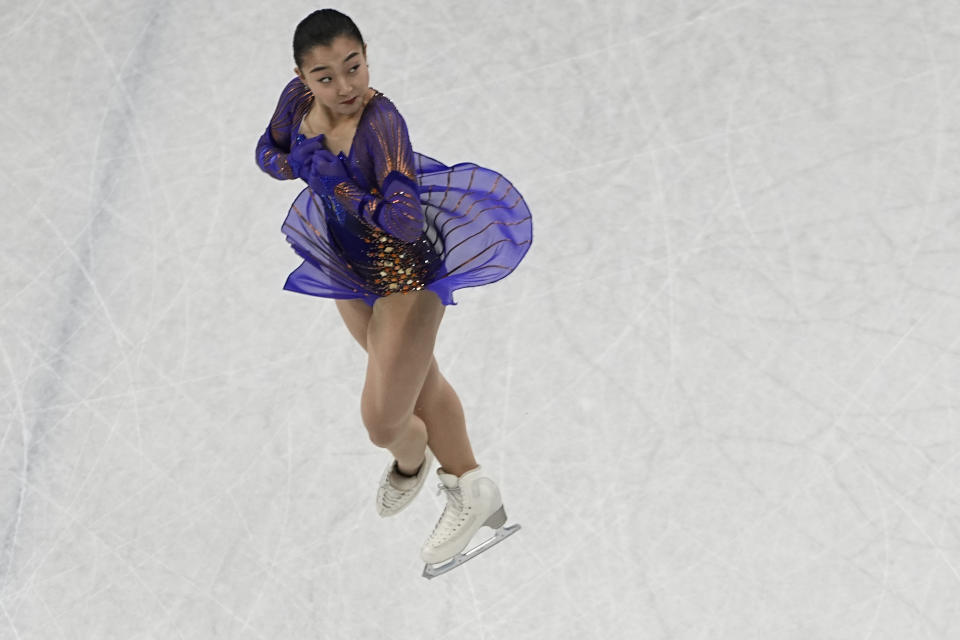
334 119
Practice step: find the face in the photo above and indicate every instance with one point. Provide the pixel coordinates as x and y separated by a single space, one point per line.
337 73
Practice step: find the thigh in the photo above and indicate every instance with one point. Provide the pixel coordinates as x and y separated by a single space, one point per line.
356 315
400 339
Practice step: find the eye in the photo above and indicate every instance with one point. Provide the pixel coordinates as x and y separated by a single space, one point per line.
324 79
354 68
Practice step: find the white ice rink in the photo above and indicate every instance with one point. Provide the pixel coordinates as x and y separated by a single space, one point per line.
721 393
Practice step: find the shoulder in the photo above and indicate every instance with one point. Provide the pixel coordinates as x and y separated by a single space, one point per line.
294 93
295 86
384 112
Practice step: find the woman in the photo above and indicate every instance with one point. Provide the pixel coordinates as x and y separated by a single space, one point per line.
390 234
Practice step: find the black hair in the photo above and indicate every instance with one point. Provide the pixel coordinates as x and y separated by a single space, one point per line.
321 28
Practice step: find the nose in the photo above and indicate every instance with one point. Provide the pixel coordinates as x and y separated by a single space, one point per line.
344 87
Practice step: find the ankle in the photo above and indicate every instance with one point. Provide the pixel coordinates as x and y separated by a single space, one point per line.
410 474
459 470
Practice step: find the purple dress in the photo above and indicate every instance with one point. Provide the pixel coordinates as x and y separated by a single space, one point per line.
400 221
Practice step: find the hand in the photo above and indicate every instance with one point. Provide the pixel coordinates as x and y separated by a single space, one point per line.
301 156
310 160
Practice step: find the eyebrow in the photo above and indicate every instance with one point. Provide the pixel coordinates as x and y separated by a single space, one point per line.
322 67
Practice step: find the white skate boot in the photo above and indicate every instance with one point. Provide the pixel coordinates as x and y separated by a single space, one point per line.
397 491
473 501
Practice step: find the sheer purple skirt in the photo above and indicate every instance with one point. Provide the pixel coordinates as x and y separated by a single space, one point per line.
477 228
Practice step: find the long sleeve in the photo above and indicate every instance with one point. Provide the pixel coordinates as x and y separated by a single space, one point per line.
394 205
274 145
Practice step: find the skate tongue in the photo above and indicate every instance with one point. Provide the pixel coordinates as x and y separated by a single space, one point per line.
449 480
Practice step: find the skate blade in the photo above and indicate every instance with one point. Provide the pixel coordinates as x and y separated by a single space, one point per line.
431 571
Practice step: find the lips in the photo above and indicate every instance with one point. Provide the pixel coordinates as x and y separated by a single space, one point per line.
350 101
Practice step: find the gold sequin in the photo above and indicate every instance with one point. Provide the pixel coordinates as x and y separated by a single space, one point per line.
397 271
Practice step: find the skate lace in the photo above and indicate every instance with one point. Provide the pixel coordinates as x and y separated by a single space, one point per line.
452 513
392 496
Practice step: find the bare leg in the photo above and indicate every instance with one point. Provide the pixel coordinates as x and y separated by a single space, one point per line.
437 405
400 338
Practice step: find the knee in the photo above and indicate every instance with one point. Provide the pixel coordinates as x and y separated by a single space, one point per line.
381 437
383 426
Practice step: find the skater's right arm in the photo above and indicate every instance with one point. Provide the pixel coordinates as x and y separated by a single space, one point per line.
274 145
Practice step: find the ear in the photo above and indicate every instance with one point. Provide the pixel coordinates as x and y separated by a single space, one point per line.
297 71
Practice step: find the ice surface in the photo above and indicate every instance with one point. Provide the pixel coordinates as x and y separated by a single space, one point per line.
719 394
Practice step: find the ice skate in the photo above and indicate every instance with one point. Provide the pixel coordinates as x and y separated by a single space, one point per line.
397 491
473 501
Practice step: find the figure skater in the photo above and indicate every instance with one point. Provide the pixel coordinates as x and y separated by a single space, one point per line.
390 234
